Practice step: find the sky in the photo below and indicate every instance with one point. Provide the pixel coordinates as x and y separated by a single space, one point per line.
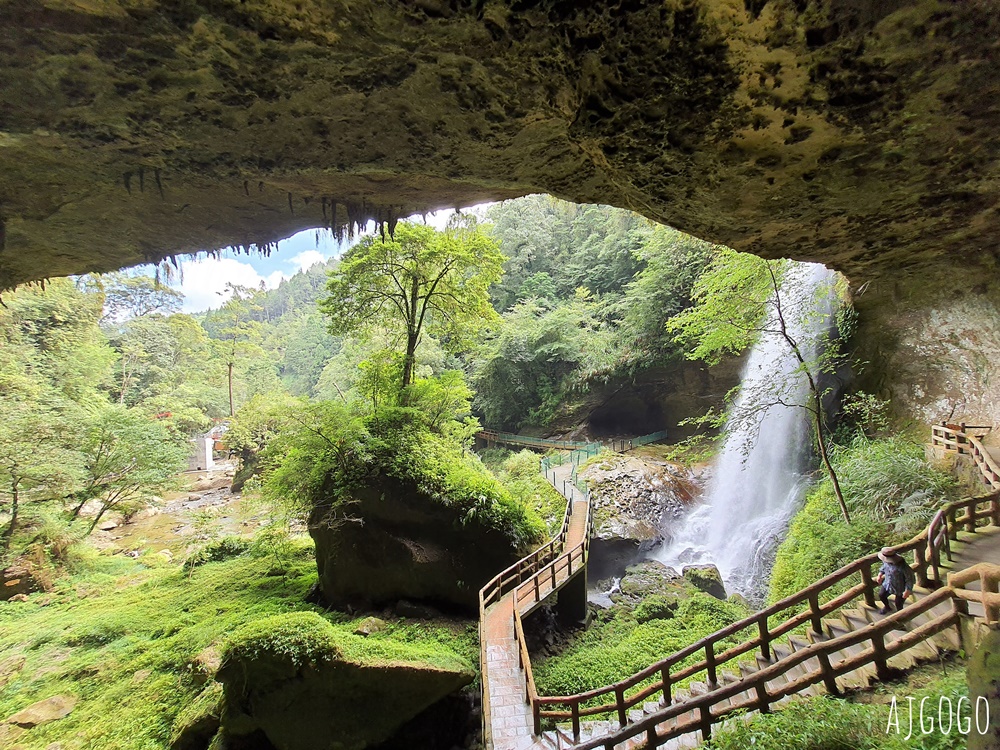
203 280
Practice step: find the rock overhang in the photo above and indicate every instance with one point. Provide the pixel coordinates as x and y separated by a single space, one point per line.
861 134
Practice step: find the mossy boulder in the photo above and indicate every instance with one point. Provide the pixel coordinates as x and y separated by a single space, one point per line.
198 723
706 578
305 685
649 579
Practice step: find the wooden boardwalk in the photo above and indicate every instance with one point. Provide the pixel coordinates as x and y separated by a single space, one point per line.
847 642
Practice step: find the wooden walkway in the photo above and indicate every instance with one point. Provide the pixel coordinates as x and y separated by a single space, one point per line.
846 642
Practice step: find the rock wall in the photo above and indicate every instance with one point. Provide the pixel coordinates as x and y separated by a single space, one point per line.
931 344
861 133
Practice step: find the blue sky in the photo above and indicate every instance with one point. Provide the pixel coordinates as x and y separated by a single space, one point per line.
203 280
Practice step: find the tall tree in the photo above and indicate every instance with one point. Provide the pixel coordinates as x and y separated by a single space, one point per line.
737 300
418 279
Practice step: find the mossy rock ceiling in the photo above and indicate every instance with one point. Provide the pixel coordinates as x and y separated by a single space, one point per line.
862 133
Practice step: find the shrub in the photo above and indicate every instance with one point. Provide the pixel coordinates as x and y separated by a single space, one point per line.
656 607
221 549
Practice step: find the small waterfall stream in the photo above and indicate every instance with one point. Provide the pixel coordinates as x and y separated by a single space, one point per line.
758 478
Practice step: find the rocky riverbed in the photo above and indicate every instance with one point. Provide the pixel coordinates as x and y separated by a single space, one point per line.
638 498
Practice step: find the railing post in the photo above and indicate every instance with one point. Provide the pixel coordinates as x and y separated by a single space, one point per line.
829 678
765 638
620 702
815 613
665 683
710 664
970 521
538 598
575 708
763 700
869 582
920 556
988 585
952 518
705 722
536 715
878 646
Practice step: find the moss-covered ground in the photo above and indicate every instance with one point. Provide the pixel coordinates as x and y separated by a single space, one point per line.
862 721
124 637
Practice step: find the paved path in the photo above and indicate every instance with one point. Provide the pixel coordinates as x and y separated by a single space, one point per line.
511 725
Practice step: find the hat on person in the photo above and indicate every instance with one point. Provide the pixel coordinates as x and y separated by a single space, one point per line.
888 554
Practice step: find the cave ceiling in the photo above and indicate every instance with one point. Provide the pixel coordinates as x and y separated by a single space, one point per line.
864 134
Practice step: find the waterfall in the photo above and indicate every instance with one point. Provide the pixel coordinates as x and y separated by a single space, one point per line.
758 479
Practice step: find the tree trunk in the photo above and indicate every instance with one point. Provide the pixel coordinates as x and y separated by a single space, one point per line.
821 443
97 518
232 411
409 361
13 515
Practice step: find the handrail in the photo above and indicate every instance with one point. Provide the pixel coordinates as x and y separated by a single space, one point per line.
546 565
988 576
879 652
927 560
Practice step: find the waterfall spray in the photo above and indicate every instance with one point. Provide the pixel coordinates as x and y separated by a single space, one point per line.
758 478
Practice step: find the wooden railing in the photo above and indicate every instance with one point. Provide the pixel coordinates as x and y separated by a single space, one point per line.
988 576
955 438
707 708
659 678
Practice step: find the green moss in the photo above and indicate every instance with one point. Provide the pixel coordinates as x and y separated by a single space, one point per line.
220 549
825 723
656 607
300 637
619 644
125 643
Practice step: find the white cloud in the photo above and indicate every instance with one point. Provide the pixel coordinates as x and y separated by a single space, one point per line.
306 259
204 281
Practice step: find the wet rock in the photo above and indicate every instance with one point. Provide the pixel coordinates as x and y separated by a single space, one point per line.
51 709
205 665
648 578
107 525
636 500
141 675
705 578
19 578
369 625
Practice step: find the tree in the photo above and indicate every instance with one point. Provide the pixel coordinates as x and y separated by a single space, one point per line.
737 300
35 460
418 278
127 296
239 330
126 454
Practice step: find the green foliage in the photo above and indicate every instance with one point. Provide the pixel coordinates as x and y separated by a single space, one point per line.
612 649
826 723
299 637
220 549
862 414
655 607
518 473
124 641
539 354
418 280
731 300
892 493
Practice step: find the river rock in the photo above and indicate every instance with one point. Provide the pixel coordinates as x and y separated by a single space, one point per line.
369 625
646 579
705 578
51 709
636 499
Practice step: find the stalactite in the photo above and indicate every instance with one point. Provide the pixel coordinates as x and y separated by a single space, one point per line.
246 187
127 177
159 185
3 235
324 209
142 179
333 218
260 187
290 203
393 219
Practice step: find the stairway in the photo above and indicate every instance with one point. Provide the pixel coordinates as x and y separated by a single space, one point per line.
847 620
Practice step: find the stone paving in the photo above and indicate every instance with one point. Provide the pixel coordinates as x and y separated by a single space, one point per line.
510 722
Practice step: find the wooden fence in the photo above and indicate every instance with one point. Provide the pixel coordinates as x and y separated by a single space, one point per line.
658 679
955 438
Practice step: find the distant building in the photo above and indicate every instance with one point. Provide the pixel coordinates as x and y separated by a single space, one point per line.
203 449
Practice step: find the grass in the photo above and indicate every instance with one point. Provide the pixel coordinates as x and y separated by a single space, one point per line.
891 492
859 723
518 473
622 641
123 638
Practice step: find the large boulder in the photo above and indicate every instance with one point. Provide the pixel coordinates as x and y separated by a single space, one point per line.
303 685
705 578
405 545
636 500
